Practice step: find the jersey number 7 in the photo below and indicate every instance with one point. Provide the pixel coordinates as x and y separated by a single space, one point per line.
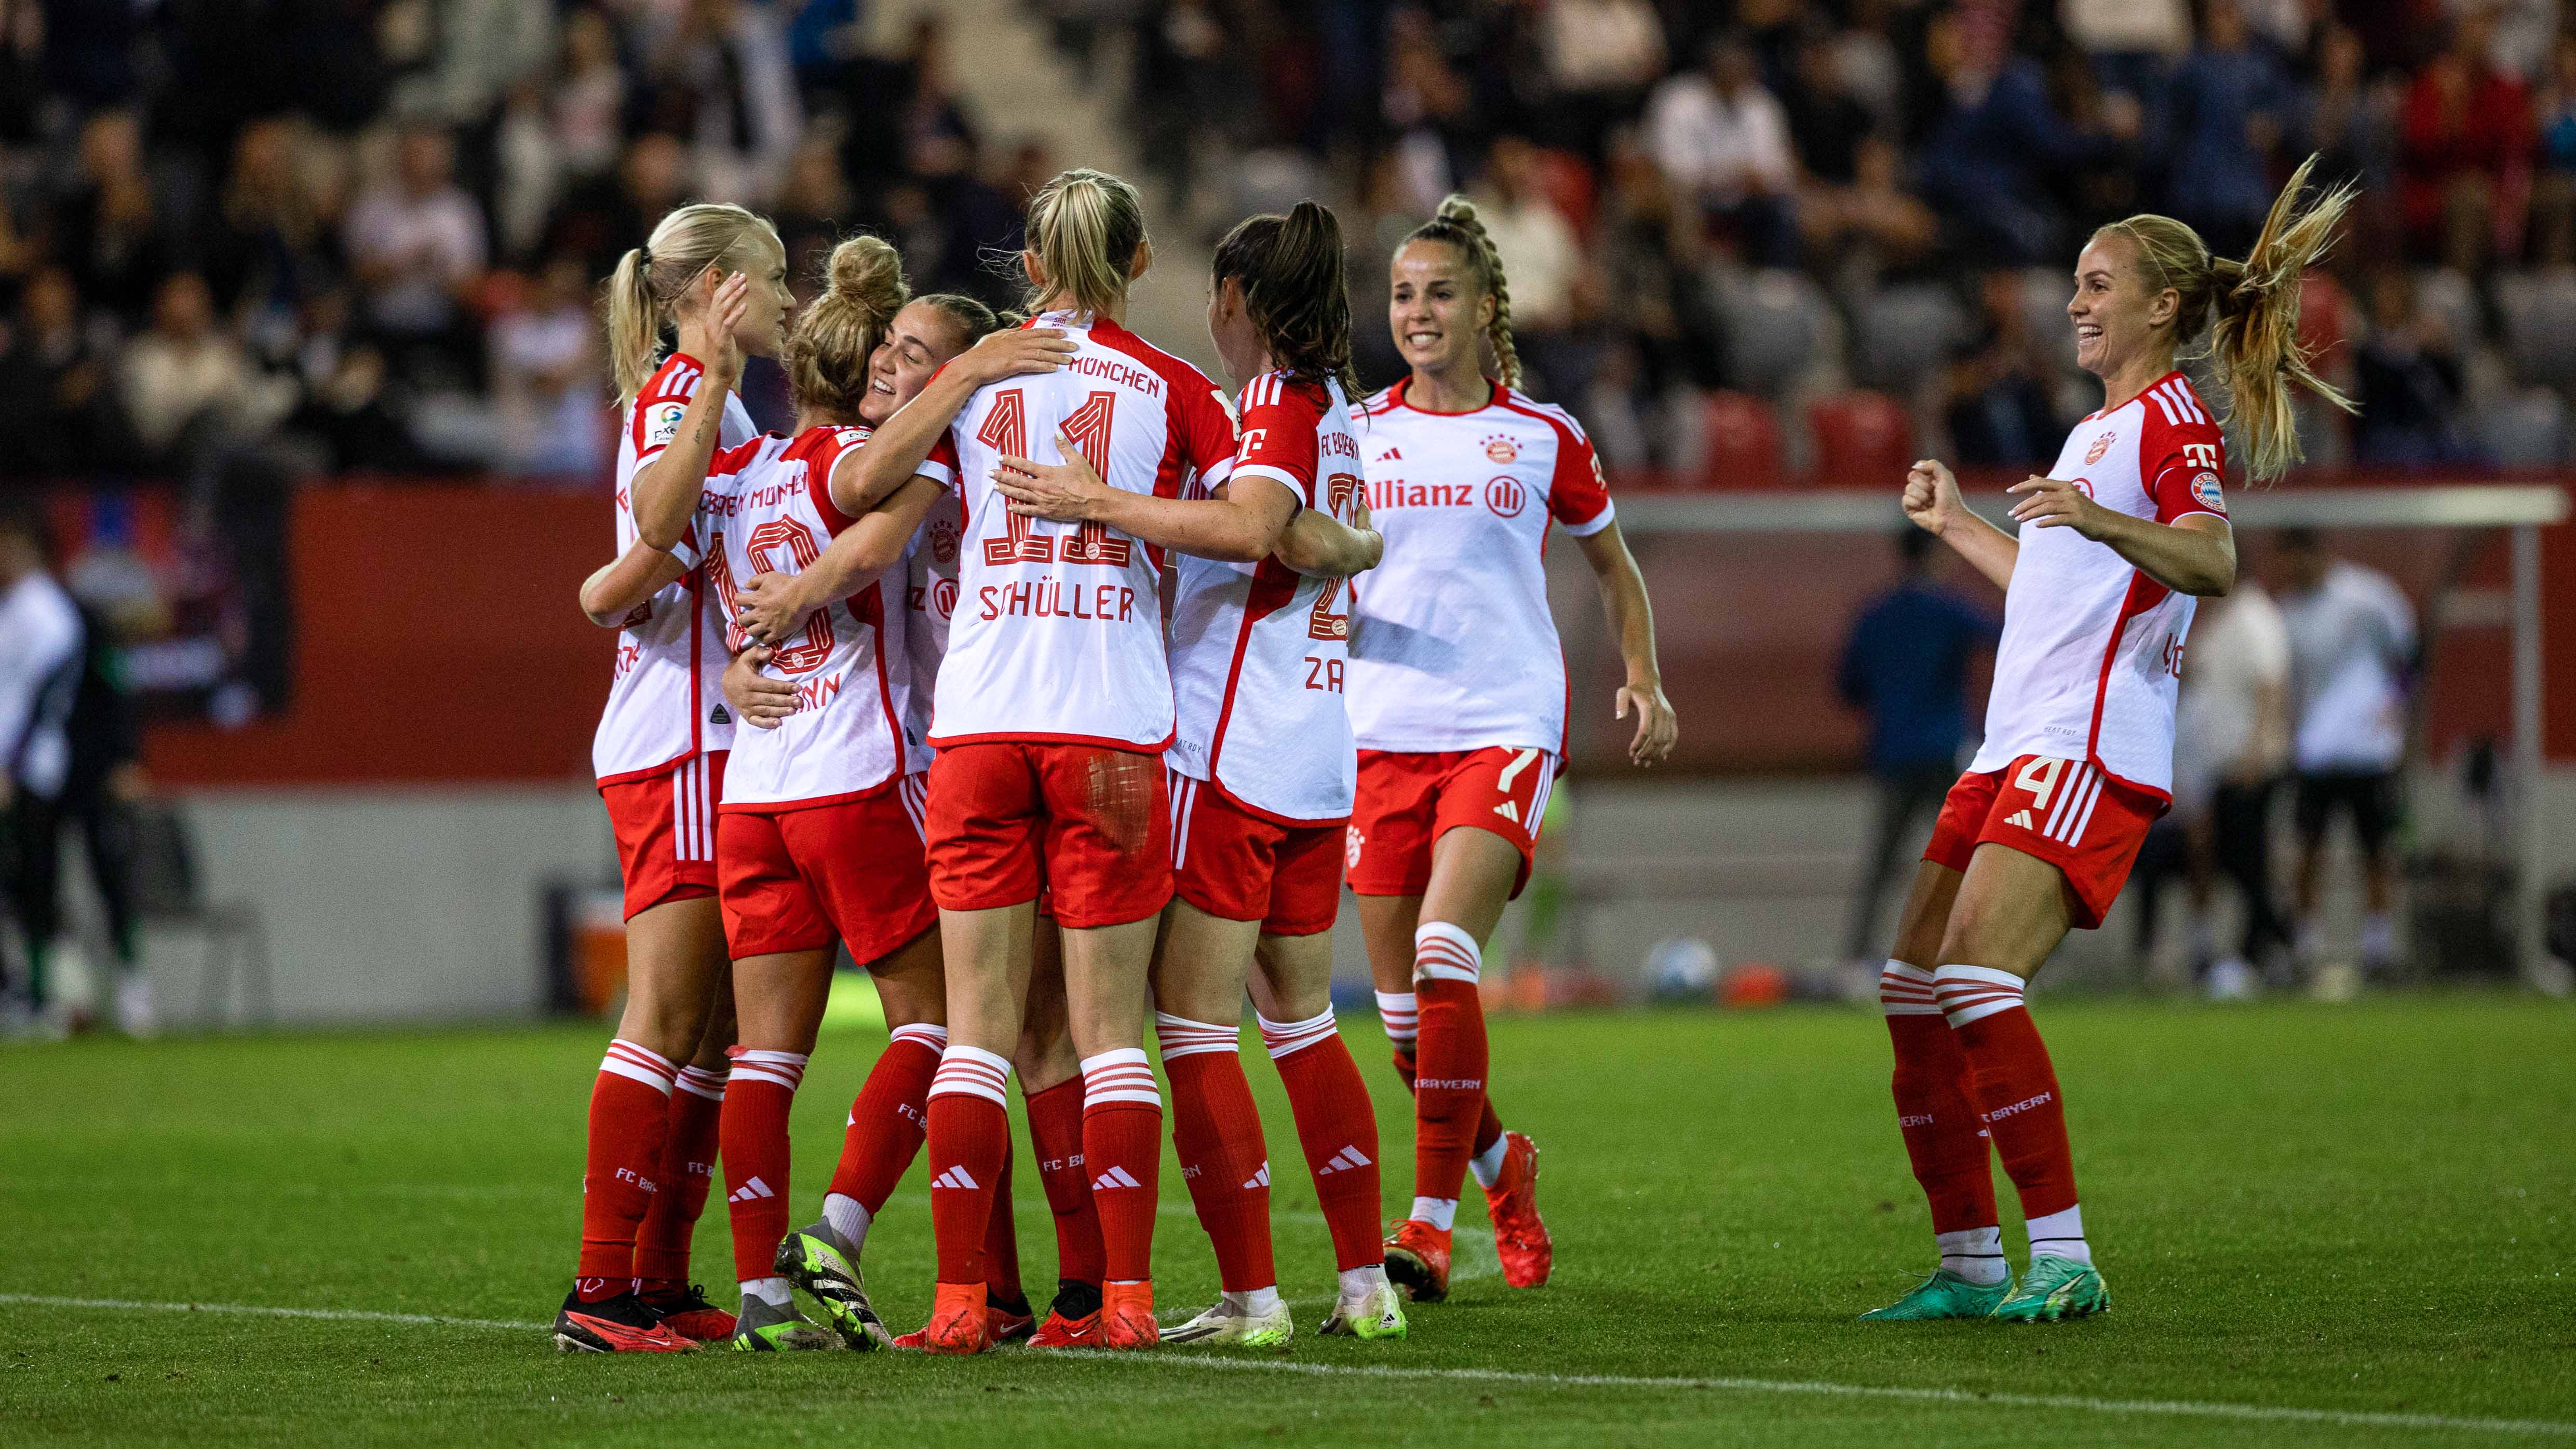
1006 431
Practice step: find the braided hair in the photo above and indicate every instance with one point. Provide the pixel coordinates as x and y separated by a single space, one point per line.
1456 223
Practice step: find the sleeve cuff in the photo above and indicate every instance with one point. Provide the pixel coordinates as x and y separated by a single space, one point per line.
1609 514
937 472
686 551
1280 476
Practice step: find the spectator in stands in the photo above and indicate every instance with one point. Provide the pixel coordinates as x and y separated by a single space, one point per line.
1906 665
415 242
186 385
2465 152
1551 290
2220 129
1826 123
814 213
1873 229
2351 123
107 228
1651 255
1999 410
1725 142
546 378
1601 57
2231 745
2412 380
718 76
2553 190
1990 144
587 100
2352 653
2132 43
57 399
269 246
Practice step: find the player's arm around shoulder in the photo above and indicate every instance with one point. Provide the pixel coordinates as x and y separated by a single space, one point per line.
617 591
1322 546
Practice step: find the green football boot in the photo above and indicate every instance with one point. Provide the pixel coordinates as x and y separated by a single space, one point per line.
1943 1295
766 1327
2053 1289
822 1262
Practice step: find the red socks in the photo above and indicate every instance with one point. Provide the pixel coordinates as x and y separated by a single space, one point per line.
1945 1137
1401 1012
1055 1134
2012 1083
1449 1087
630 1113
1335 1125
756 1102
969 1142
1002 1243
1217 1133
1122 1149
688 1170
889 1118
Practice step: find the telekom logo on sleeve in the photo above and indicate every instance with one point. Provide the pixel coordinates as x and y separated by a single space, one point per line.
1505 495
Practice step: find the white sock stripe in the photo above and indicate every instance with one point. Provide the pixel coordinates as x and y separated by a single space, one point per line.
933 1037
617 1066
699 1082
787 1069
1286 1037
1973 993
791 1081
1181 1037
1442 960
1905 990
644 1057
966 1071
1119 1076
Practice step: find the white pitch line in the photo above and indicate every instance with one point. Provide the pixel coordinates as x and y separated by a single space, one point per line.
1965 1398
37 1300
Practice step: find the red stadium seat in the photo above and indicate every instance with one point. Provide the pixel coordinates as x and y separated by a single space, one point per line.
1743 444
1863 440
1569 183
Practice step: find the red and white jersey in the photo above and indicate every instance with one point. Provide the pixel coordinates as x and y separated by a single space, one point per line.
1260 651
1452 646
664 704
769 510
2092 648
929 602
1058 634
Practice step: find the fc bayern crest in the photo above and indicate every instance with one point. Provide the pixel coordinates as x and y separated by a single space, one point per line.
2100 446
2204 491
943 541
1502 449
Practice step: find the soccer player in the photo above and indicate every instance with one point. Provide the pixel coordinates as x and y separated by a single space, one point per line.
884 1131
2038 836
718 274
1458 701
1053 704
1261 770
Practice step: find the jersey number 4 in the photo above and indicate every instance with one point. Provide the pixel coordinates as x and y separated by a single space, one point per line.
1006 431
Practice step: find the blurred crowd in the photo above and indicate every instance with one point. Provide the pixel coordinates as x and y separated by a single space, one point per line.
1778 202
365 234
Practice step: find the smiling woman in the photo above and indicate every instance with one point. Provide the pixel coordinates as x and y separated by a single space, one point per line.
2039 835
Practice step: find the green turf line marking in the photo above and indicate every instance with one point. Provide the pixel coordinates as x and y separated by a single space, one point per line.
1182 1359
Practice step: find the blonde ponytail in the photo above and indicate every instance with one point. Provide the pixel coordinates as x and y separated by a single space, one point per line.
1086 227
1457 224
651 279
826 357
2251 310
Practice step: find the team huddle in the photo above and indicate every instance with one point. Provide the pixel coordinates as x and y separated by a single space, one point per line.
1067 694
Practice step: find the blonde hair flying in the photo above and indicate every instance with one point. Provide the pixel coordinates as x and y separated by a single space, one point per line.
2250 310
650 280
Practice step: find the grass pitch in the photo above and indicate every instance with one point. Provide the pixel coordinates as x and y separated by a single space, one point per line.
2321 1225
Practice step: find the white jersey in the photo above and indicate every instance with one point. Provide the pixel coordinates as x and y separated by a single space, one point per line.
1452 645
1259 651
929 602
664 700
2351 641
40 668
2092 648
769 510
1058 634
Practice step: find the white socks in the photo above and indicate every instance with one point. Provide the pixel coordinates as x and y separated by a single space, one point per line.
2060 1235
1976 1254
847 1218
1255 1304
772 1291
1488 1164
1359 1282
1439 1212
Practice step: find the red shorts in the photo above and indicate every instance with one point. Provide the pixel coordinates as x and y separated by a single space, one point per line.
1407 801
1235 865
666 831
2065 812
1086 824
796 880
